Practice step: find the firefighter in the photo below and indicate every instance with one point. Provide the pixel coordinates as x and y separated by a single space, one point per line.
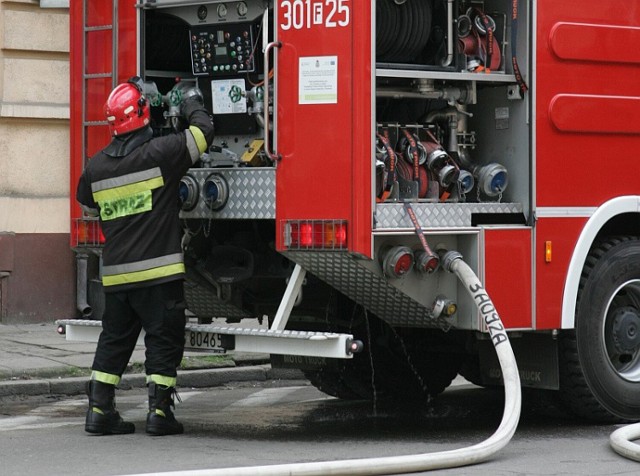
132 185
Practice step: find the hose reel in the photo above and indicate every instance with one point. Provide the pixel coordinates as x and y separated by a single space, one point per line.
403 29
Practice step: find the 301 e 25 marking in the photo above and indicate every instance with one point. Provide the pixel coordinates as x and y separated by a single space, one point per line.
300 14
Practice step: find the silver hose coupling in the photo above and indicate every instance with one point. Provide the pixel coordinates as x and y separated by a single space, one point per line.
449 258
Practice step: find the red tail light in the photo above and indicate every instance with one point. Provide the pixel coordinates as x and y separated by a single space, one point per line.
305 238
86 232
316 234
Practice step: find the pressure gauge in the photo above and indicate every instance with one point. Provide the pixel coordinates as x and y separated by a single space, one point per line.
202 12
222 10
242 9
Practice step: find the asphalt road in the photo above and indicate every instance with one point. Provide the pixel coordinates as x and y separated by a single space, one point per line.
287 422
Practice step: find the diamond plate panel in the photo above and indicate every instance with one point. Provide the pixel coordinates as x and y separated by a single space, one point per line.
343 272
437 215
203 302
252 194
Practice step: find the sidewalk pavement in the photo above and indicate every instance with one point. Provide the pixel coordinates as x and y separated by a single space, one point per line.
36 360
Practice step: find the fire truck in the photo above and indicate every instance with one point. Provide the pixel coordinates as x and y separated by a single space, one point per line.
357 142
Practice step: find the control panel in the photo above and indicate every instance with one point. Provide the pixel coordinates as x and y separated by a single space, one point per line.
223 49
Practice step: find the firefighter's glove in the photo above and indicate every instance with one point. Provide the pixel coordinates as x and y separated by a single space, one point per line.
192 100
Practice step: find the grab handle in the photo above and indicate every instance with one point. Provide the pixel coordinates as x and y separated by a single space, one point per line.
267 141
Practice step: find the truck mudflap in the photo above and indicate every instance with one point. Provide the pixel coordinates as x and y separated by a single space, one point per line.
537 356
218 339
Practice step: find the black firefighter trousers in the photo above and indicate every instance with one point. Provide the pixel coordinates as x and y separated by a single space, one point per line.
160 310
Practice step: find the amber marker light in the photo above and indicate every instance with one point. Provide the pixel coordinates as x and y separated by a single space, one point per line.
547 252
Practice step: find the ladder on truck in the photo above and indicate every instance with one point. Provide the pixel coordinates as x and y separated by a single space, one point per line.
86 233
220 339
93 31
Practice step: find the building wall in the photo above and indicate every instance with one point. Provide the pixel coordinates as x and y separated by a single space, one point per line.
37 267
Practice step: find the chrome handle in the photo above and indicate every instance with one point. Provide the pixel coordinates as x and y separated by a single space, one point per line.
267 142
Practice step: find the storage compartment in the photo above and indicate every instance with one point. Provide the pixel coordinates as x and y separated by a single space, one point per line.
219 51
455 133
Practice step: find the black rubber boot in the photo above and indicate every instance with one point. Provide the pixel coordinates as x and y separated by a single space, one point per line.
102 416
160 419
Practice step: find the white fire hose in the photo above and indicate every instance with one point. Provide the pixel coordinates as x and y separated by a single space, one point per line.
622 439
478 453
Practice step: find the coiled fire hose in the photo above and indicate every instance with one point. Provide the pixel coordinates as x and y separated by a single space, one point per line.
622 439
452 261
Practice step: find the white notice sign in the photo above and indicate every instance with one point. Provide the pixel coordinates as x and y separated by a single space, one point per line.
318 80
227 96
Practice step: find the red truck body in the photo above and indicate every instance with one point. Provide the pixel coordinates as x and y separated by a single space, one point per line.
565 135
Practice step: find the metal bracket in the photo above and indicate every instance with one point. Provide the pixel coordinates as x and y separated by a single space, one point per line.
289 299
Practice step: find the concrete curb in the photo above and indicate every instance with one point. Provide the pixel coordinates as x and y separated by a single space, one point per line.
202 378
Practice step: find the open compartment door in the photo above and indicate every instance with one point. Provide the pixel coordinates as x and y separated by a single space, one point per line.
323 124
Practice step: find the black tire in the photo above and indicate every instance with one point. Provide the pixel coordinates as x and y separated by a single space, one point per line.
386 376
470 370
600 360
398 364
332 382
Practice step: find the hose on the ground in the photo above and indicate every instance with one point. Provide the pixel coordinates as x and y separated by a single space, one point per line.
622 439
452 261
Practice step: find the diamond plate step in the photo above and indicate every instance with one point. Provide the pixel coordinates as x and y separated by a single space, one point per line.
217 339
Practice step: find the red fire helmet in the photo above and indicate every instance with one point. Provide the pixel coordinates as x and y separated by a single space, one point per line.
126 108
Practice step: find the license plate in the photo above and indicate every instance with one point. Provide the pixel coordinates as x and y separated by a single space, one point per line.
208 341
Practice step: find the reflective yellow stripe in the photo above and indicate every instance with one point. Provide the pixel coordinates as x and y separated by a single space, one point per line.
201 142
143 265
145 275
104 377
162 380
128 190
126 179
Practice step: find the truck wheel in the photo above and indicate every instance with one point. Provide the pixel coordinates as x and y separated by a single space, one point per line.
600 361
394 377
470 370
390 366
396 364
331 382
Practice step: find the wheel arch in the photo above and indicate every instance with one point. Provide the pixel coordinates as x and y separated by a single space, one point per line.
611 218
